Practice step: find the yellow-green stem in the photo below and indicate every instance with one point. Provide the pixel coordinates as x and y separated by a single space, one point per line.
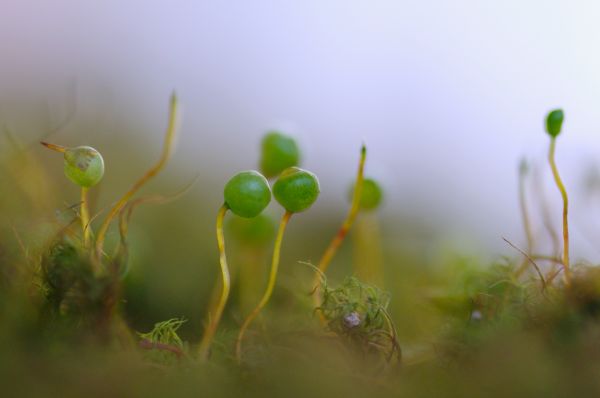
270 285
166 154
215 318
54 147
343 231
251 258
84 214
368 256
526 223
565 198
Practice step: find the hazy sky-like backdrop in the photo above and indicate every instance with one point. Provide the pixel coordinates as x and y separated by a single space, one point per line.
448 95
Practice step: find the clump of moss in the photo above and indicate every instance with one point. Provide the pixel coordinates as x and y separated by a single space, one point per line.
163 344
80 282
60 266
74 295
357 312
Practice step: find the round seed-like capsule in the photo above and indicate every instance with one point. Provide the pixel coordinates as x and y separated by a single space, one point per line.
247 194
371 195
279 152
554 122
296 189
84 166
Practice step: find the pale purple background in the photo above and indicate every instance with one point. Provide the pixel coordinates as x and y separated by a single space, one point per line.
447 94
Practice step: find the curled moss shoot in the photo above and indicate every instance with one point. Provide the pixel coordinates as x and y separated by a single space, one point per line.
337 240
246 194
164 338
554 122
153 171
295 190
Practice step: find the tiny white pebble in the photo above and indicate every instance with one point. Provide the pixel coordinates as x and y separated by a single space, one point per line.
352 320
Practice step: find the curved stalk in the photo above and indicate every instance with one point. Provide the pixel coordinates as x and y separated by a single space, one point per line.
367 250
84 214
525 217
214 320
154 170
270 285
54 147
337 240
565 199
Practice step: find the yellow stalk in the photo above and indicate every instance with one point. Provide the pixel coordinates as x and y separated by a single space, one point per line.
565 198
525 216
153 171
84 214
343 231
54 147
213 322
270 285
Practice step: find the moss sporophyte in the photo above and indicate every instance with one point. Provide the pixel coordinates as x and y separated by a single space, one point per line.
371 195
167 150
357 198
78 286
278 152
91 288
84 166
554 122
366 237
295 190
246 194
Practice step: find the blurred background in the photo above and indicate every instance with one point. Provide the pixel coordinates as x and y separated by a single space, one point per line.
448 96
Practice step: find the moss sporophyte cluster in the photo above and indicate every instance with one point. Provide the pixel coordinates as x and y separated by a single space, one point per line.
82 282
245 195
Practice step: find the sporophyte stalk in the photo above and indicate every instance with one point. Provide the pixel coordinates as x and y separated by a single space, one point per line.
295 190
554 122
246 194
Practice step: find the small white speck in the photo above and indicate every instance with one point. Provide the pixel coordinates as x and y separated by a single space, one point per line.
476 315
352 320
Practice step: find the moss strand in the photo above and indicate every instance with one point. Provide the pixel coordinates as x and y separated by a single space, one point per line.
214 320
270 285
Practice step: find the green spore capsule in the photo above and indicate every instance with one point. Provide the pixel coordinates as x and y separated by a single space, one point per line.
554 122
84 166
371 195
296 189
247 194
279 152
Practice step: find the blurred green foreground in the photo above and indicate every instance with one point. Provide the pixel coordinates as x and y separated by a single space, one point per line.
465 328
